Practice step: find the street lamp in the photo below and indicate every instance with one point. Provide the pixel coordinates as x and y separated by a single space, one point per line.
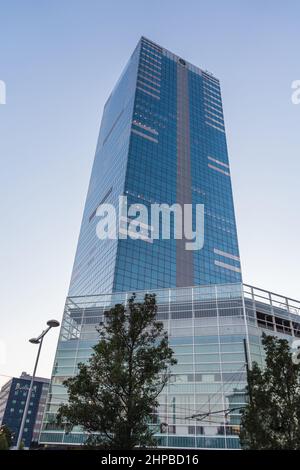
38 340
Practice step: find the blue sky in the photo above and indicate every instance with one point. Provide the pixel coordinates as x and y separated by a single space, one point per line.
60 60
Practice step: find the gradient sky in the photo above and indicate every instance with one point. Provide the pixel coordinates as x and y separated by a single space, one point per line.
60 60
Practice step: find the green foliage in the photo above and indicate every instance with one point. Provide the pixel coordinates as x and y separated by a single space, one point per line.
3 442
116 392
5 437
22 445
7 433
271 420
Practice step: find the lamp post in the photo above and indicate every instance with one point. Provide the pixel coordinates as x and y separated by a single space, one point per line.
39 341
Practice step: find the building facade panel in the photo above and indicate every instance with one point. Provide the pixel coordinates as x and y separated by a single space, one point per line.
208 328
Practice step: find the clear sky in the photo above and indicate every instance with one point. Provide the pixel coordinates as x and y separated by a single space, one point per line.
60 60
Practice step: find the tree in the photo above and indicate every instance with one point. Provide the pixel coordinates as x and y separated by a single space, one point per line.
114 395
271 419
3 442
5 437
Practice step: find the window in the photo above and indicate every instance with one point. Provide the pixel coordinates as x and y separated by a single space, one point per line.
283 326
171 429
196 429
264 320
296 327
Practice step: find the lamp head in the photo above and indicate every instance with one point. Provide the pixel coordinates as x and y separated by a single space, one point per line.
34 341
53 323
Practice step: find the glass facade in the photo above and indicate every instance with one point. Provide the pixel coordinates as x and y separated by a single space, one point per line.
208 329
162 140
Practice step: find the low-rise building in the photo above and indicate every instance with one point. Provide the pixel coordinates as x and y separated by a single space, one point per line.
13 397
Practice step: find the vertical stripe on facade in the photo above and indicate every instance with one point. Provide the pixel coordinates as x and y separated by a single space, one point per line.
184 258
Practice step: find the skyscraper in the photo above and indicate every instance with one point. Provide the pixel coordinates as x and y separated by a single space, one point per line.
162 140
